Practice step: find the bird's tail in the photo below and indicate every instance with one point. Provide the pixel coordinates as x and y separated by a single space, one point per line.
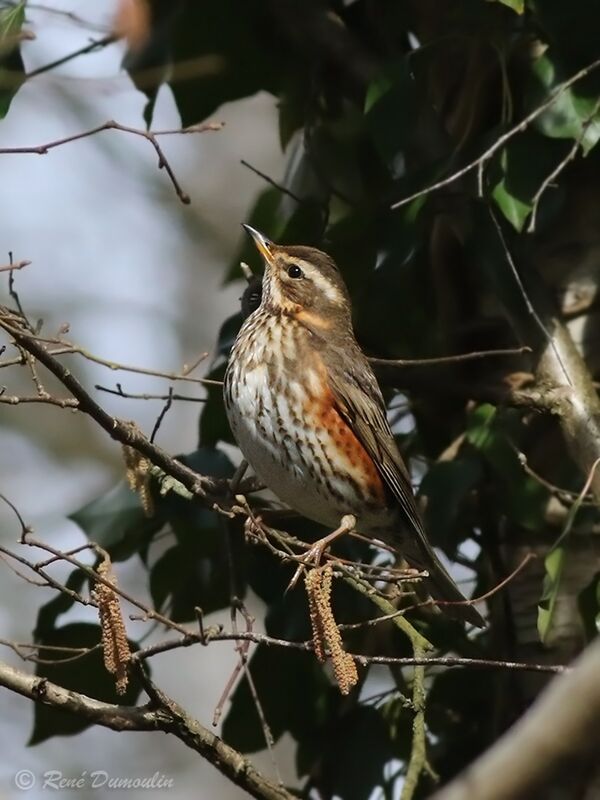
439 585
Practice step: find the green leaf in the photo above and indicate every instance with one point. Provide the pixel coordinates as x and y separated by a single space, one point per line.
572 115
196 572
12 69
525 163
517 6
392 109
516 211
213 53
554 565
189 580
495 435
50 611
459 707
294 693
209 461
117 522
446 486
214 426
479 427
589 607
86 675
352 762
293 105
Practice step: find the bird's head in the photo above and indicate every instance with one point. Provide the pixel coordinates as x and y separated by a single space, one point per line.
302 282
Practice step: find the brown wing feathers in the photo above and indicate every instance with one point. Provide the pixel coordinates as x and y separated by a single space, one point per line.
363 409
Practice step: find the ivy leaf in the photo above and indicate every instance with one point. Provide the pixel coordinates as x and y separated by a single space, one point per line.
50 611
571 115
86 675
190 579
493 434
459 707
446 486
354 758
589 607
278 672
525 163
515 210
12 69
117 522
217 52
554 565
518 6
391 108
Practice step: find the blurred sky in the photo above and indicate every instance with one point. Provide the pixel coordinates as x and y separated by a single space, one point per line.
138 277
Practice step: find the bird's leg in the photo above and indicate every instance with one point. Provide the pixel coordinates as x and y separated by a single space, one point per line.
314 554
237 476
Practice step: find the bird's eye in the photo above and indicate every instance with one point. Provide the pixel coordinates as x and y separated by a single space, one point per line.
294 271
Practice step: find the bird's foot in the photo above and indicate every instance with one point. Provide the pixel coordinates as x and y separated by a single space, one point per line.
313 556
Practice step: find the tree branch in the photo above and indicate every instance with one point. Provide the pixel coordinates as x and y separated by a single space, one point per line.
565 385
521 126
117 429
167 716
150 136
561 727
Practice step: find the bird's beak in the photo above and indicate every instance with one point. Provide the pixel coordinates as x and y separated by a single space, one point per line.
264 246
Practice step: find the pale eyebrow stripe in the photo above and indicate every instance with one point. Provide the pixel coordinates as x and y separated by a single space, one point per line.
328 289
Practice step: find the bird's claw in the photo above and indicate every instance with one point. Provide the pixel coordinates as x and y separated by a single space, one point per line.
312 558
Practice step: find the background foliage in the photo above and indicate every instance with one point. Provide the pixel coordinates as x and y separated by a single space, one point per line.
379 99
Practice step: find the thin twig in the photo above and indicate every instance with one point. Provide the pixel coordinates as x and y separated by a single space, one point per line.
70 15
98 44
271 182
528 304
418 752
19 647
193 638
150 136
15 266
118 391
474 356
92 573
47 399
562 164
162 415
121 431
481 160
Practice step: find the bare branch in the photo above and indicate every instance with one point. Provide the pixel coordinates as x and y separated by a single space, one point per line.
15 400
568 390
121 431
150 136
562 726
97 44
118 391
15 266
167 717
271 182
425 362
480 161
562 164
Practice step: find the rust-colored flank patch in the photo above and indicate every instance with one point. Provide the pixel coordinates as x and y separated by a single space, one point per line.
351 452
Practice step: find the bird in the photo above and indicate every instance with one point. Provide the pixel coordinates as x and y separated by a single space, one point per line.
308 415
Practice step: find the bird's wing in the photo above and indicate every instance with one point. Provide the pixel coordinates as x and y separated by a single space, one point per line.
361 404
